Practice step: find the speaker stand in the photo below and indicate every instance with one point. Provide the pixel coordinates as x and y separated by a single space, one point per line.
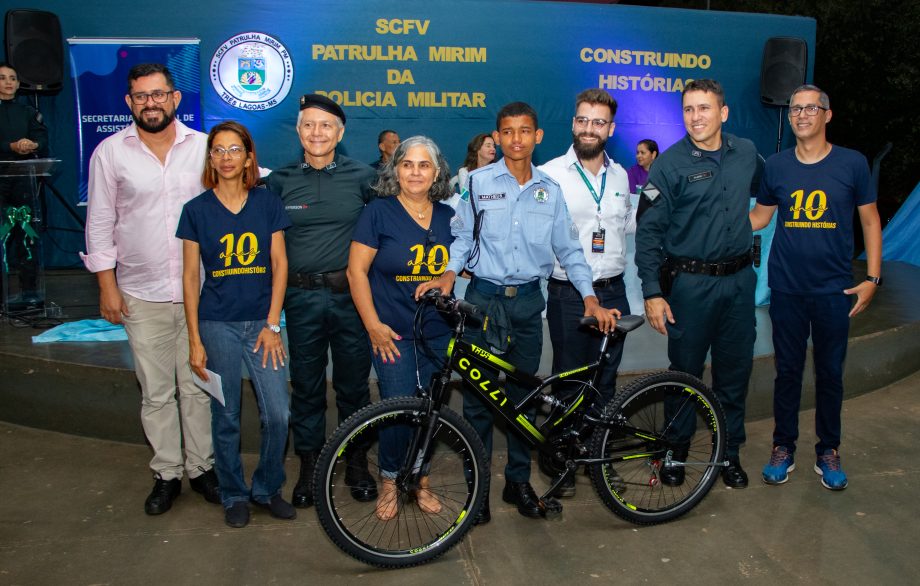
779 132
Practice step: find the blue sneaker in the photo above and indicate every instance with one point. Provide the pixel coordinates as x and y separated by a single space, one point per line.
828 467
781 464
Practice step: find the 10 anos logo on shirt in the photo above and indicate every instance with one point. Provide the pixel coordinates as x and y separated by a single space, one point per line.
252 71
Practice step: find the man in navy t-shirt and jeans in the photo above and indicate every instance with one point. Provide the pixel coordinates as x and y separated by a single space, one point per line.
815 186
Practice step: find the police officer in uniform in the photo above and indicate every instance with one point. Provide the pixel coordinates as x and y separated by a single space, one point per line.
324 195
525 228
695 238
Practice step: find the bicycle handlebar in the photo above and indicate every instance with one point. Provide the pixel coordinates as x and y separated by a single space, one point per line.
448 304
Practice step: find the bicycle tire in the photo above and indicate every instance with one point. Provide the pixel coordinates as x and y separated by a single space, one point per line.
632 487
458 475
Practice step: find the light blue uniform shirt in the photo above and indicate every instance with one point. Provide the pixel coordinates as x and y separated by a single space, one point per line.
523 230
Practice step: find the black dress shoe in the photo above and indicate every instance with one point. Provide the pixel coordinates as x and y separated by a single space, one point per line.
302 496
523 495
484 515
734 475
359 479
162 496
674 475
237 515
206 485
278 508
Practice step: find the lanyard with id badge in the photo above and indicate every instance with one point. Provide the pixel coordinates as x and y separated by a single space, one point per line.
599 235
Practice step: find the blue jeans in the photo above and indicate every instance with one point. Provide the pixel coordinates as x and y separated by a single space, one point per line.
826 319
228 345
399 380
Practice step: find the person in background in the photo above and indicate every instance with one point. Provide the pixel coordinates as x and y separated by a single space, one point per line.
139 179
402 238
22 136
815 187
236 233
387 141
479 152
646 153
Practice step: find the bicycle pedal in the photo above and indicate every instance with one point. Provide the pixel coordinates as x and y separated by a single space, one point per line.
550 508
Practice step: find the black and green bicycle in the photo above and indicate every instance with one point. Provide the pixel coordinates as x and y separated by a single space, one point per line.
652 453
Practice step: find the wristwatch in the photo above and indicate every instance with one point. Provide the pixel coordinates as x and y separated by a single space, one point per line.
876 280
273 327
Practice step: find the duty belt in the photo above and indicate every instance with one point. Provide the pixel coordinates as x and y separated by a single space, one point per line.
720 268
490 288
335 280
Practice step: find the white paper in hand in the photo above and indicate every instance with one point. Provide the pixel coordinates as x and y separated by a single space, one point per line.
211 386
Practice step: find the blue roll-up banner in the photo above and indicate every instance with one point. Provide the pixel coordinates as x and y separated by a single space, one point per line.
100 67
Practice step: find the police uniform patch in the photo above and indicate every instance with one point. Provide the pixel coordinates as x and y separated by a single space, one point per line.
491 196
573 231
456 222
650 192
540 195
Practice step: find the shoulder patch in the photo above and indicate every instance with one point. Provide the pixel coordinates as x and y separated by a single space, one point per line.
650 192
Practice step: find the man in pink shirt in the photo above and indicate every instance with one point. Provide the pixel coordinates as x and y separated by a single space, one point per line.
139 179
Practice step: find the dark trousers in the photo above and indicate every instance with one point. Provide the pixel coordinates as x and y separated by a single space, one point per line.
574 347
826 318
716 315
524 314
318 320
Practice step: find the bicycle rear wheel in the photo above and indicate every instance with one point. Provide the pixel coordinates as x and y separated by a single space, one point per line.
667 440
456 472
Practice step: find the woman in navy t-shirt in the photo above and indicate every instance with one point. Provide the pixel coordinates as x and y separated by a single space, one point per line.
236 233
402 239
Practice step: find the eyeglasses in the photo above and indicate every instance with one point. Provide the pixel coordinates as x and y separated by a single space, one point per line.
596 123
810 110
235 152
159 96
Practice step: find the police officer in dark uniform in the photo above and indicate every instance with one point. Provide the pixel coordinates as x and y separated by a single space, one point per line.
324 195
695 238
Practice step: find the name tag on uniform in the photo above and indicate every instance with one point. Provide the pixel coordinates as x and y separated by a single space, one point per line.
699 176
491 196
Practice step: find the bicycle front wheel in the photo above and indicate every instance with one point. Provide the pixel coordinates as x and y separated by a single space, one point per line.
666 441
400 530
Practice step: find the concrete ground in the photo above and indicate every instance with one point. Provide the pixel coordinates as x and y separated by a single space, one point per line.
71 512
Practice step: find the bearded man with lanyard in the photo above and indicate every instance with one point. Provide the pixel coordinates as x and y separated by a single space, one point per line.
596 191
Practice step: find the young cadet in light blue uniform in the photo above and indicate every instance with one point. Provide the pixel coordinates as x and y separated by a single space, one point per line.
525 228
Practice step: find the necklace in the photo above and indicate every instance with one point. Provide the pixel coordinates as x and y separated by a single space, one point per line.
227 205
420 213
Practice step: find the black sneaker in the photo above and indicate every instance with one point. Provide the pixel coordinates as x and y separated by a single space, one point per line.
162 496
237 515
206 485
279 508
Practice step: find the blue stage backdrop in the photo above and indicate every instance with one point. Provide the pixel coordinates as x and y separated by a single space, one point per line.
444 68
99 68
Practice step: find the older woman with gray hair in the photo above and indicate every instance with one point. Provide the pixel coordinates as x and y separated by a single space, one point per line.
401 239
